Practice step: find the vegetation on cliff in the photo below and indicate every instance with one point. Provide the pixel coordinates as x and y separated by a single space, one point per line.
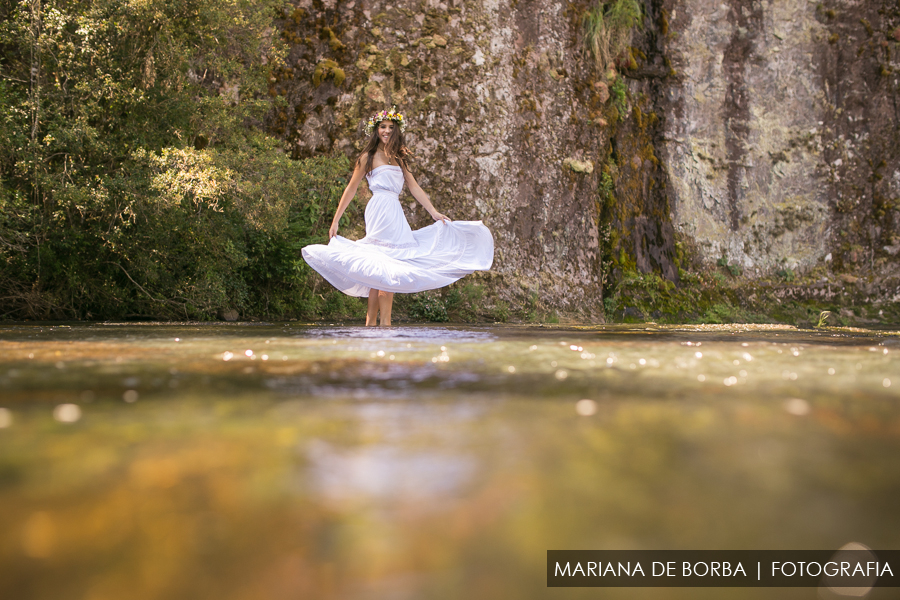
608 29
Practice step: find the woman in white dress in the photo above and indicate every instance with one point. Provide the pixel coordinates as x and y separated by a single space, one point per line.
393 258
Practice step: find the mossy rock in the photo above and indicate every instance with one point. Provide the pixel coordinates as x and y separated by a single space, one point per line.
328 68
579 166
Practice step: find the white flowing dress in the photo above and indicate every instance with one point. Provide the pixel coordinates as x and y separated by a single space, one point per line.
394 258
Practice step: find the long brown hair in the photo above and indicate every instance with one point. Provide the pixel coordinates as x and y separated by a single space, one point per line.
395 149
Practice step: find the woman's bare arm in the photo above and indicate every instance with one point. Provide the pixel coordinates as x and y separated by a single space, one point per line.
419 194
346 197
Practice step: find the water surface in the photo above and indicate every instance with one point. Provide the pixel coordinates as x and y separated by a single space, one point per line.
302 461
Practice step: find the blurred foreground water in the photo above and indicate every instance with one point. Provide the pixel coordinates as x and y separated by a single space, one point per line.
285 461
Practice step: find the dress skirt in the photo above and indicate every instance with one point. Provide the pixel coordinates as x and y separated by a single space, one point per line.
392 257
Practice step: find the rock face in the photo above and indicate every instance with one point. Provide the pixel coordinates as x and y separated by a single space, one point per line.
764 132
741 137
782 129
497 103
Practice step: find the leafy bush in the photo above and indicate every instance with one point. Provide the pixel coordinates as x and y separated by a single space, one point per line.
427 306
500 312
135 179
465 300
786 274
181 234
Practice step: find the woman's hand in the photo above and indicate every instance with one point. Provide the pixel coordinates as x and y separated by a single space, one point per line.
333 231
439 217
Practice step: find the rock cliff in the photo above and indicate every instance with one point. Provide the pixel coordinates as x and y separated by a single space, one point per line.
764 133
782 131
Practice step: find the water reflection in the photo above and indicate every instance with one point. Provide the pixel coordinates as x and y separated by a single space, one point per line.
428 462
384 473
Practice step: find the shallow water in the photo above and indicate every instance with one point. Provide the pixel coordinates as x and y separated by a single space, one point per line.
296 461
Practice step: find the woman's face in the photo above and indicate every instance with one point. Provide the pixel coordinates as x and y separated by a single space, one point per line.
385 131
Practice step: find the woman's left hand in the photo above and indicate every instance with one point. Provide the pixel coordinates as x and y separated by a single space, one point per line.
439 217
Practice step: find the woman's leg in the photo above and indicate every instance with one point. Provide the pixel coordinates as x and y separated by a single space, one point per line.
372 309
385 302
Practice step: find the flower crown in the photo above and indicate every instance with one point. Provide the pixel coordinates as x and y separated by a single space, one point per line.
384 115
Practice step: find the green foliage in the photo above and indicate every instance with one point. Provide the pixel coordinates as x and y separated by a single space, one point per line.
427 306
606 188
710 297
719 313
610 304
500 312
133 181
619 94
735 270
786 274
463 301
181 234
698 297
823 318
608 28
531 306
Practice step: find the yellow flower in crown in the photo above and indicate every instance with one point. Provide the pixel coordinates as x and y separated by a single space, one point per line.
384 115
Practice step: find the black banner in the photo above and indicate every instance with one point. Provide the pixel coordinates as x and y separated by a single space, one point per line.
851 568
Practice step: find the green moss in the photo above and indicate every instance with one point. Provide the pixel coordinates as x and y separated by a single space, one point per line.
710 297
427 100
333 41
630 61
626 261
612 114
619 94
868 27
325 69
663 22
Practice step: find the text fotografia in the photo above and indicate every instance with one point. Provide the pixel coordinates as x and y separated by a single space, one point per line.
723 568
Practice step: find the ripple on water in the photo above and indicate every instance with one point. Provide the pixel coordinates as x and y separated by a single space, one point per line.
405 334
